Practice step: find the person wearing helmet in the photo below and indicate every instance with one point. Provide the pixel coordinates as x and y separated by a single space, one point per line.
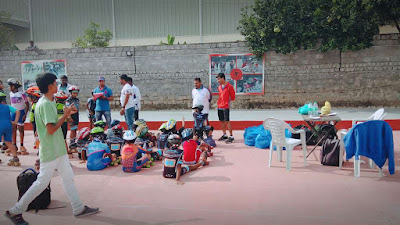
130 153
73 100
20 102
174 141
61 97
53 153
193 156
114 123
98 153
97 132
83 141
33 95
200 120
91 106
118 130
138 123
6 128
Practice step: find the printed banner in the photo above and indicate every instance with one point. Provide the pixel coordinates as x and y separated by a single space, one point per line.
32 68
244 71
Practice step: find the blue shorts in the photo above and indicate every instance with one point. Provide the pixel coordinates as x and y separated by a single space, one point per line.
6 132
21 115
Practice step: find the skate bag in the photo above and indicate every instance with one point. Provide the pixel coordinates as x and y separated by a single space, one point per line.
162 141
170 161
24 182
330 152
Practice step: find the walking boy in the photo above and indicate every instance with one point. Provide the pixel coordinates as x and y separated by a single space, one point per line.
53 153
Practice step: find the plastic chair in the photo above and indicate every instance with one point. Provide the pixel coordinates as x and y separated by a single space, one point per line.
378 115
277 128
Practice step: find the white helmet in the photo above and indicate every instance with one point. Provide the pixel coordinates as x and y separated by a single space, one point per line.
129 135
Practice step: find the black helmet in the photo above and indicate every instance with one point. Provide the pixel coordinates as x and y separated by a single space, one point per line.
114 122
200 107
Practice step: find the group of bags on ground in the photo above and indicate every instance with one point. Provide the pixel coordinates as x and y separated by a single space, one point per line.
259 137
136 148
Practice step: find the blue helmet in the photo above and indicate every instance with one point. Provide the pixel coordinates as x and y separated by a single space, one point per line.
187 134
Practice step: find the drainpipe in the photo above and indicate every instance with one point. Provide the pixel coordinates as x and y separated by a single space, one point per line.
30 20
200 22
113 22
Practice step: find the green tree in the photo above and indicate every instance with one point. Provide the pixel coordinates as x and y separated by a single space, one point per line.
287 26
279 25
93 37
6 33
388 11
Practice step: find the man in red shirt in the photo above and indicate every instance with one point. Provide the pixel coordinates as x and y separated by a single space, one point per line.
226 95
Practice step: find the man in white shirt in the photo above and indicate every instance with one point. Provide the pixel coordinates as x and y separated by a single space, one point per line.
136 97
127 103
201 96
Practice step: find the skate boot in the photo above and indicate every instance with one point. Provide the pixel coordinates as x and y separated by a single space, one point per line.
7 152
37 164
23 151
14 162
4 147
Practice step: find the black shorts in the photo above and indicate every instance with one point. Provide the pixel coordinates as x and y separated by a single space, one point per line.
75 118
223 114
64 128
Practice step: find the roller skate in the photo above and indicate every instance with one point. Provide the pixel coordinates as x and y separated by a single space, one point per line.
14 162
4 148
37 164
7 152
23 151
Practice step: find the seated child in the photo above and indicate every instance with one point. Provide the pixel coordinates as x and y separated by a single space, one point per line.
6 128
193 157
98 153
130 152
147 140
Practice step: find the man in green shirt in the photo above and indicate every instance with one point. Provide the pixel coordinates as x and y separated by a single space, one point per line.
52 153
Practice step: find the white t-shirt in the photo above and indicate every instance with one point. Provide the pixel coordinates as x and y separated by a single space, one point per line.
18 100
138 97
127 92
202 97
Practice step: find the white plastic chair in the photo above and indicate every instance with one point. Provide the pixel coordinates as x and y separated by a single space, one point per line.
378 115
277 128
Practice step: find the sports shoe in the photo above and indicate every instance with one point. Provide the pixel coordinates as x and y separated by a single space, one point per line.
17 219
223 137
88 211
229 140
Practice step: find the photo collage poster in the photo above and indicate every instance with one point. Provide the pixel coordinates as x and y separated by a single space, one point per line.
32 68
244 71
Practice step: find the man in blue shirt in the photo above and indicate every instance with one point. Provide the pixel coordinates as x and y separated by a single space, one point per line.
103 102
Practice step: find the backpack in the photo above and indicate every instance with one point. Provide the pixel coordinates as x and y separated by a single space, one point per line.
330 152
162 141
171 158
308 132
24 182
324 129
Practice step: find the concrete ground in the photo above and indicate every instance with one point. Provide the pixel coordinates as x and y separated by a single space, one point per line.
237 187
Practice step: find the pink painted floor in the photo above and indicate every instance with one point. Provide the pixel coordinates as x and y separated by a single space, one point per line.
237 187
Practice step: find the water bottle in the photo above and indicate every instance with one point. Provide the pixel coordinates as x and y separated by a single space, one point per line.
315 108
310 108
